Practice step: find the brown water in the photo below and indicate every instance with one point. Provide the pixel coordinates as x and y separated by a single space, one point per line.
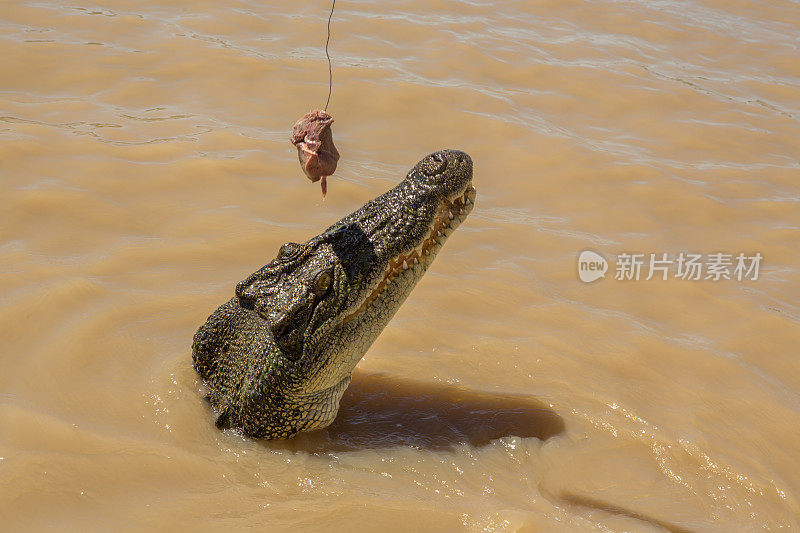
145 169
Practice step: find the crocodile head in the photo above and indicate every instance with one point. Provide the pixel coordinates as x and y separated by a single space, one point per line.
278 356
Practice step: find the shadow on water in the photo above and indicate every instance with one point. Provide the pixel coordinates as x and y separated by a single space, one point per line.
379 411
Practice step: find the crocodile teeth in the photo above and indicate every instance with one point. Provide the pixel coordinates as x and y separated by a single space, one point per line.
440 228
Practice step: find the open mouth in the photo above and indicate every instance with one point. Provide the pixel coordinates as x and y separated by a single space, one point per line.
448 217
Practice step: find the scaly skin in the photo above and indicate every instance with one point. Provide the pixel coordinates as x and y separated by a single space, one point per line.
278 356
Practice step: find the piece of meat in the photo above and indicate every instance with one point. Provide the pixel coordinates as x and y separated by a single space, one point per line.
314 141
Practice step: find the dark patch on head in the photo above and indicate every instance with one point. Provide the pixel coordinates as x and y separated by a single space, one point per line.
352 248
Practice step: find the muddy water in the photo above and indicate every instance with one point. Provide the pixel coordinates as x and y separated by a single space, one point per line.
145 169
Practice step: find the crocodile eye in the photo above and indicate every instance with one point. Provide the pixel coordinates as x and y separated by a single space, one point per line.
290 250
322 283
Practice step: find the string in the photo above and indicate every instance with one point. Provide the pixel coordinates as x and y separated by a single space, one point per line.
330 70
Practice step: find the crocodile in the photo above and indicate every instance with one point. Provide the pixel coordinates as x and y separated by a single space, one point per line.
277 357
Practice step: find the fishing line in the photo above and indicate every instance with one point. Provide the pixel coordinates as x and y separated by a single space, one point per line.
330 70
